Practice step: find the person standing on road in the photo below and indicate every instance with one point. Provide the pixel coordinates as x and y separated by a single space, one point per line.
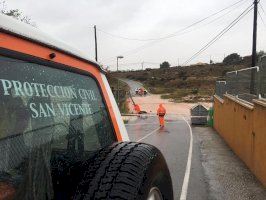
161 113
141 91
137 108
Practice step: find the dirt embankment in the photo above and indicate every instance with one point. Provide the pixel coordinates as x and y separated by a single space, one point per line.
182 84
151 102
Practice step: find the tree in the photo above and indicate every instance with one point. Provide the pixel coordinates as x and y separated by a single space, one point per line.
164 65
233 58
15 13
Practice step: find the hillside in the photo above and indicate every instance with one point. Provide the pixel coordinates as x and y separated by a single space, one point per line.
188 84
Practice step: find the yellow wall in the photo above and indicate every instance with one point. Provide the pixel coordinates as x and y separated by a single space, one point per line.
243 127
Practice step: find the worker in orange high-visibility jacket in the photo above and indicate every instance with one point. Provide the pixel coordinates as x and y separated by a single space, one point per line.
137 108
161 113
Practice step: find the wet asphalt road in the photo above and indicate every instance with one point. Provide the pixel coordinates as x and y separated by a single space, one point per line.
216 173
173 141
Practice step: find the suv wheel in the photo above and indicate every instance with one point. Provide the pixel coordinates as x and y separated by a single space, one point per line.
126 170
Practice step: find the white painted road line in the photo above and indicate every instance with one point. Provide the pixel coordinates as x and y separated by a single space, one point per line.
135 124
148 134
183 195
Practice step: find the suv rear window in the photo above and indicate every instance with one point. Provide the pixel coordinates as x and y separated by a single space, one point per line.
49 119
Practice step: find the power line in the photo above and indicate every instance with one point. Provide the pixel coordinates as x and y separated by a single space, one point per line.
220 34
174 33
135 63
214 20
132 51
154 42
261 19
262 8
260 14
122 37
181 31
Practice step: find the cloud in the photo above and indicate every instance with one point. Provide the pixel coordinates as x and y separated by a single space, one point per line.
72 21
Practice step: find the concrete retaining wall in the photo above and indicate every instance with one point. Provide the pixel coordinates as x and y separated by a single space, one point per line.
243 127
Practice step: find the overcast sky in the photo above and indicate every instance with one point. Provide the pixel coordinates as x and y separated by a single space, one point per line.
72 22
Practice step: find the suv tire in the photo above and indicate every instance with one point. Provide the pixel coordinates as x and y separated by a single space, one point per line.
126 170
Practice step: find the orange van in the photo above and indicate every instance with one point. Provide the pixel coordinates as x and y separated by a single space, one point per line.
61 133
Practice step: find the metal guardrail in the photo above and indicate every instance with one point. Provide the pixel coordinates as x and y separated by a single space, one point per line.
246 84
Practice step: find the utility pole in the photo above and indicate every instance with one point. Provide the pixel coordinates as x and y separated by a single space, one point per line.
254 48
178 62
95 42
117 92
254 44
142 66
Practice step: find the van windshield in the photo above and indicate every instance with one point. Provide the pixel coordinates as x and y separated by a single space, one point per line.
50 120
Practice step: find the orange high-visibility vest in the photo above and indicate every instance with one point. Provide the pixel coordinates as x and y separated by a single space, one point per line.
161 111
137 108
